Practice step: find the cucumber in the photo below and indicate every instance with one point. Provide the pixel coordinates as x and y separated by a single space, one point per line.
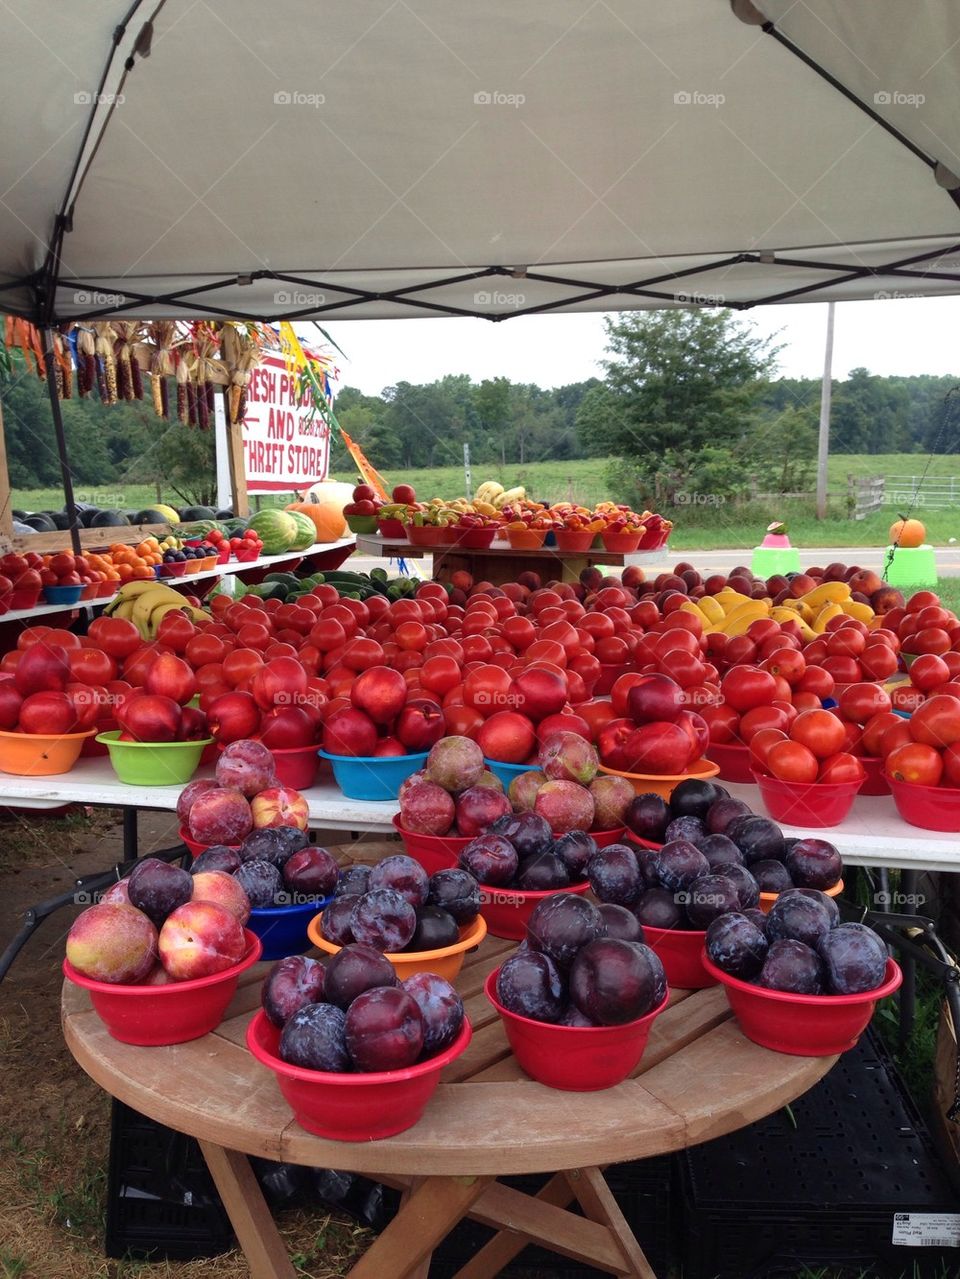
269 590
289 580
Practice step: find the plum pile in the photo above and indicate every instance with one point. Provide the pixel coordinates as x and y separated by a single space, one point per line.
520 851
577 969
395 906
275 866
800 947
354 1015
730 835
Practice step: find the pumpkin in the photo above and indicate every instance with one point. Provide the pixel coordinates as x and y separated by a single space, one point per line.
327 516
908 533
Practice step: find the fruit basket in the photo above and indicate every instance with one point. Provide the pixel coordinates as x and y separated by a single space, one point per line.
803 1025
508 910
663 783
427 534
361 523
654 539
354 1106
283 929
372 777
572 541
445 962
473 539
391 528
816 804
172 568
681 952
574 1058
767 899
733 761
25 597
40 755
153 763
63 594
622 543
169 1014
929 807
876 782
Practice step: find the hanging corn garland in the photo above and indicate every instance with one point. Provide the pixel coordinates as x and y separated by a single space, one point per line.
205 369
86 361
106 362
183 396
128 370
26 337
64 368
155 354
241 350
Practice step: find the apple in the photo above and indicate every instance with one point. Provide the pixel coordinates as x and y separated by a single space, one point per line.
508 737
286 728
219 887
112 942
420 724
170 676
279 806
199 939
150 717
246 766
220 816
388 747
232 716
380 692
49 713
350 732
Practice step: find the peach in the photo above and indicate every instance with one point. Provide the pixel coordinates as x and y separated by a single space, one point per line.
612 796
279 806
522 791
198 939
565 806
220 816
112 942
222 889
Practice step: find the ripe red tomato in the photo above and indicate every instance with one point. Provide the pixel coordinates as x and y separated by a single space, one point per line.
859 701
871 739
91 666
788 663
878 660
684 667
816 680
115 635
611 650
461 721
487 690
723 723
203 648
761 718
937 722
928 672
412 636
915 762
951 765
820 731
792 761
931 639
846 642
845 670
745 687
841 767
240 666
360 654
761 745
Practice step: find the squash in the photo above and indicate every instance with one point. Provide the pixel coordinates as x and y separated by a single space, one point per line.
907 533
326 513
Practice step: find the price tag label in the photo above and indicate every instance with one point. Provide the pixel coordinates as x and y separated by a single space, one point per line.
926 1229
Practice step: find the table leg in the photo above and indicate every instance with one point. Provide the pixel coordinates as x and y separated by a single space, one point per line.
130 836
507 1244
908 991
598 1203
249 1215
431 1211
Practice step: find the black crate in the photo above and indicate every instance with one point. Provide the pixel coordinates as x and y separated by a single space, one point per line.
161 1200
774 1197
643 1191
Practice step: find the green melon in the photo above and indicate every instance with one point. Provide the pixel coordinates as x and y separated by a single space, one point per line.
276 529
306 531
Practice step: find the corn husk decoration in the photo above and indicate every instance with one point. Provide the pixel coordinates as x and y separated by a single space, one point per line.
155 354
241 350
106 337
25 336
206 371
129 382
86 360
183 397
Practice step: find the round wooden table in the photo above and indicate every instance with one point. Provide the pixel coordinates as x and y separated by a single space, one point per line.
699 1078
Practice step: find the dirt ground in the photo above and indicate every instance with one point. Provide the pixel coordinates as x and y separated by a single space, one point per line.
54 1121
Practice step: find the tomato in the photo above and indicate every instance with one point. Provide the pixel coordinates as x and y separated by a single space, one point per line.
915 762
177 630
745 687
937 721
412 636
476 648
932 639
846 642
859 701
820 731
542 650
895 735
761 745
241 665
439 674
599 625
115 635
788 663
405 610
841 767
878 660
905 697
816 680
461 721
723 723
844 670
91 666
951 765
203 648
815 652
760 718
871 738
929 672
674 638
683 667
792 761
487 689
254 635
360 654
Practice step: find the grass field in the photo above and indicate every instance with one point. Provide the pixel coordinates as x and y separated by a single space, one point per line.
706 527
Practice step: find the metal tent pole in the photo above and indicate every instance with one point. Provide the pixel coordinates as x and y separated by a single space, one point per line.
69 502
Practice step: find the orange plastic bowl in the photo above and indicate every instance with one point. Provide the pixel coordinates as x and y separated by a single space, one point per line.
767 899
526 539
803 1025
171 1014
508 910
445 962
807 803
929 807
574 540
39 755
662 783
732 761
680 951
352 1106
574 1058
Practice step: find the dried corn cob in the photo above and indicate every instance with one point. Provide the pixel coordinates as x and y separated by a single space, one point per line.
242 406
101 380
156 382
124 389
136 381
110 377
203 405
67 375
191 404
164 398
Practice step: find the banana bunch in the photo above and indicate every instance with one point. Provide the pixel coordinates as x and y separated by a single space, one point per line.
731 613
494 494
147 603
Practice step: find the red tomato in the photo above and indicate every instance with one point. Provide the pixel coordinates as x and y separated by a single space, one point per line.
788 663
542 650
360 654
761 745
951 765
820 731
937 722
461 721
878 660
915 762
871 738
803 701
745 687
929 672
487 689
476 648
859 701
932 639
895 735
816 680
760 718
846 642
203 648
91 666
905 697
611 651
115 635
841 767
792 761
597 714
723 723
439 674
412 636
241 665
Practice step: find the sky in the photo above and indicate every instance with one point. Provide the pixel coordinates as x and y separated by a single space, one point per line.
896 336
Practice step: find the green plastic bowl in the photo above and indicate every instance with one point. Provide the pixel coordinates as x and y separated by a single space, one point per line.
153 763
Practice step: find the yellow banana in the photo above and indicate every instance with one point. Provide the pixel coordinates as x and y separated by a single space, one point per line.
144 605
824 615
737 622
158 613
730 600
862 612
826 593
711 610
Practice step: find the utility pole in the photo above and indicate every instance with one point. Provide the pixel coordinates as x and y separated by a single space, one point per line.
467 475
823 441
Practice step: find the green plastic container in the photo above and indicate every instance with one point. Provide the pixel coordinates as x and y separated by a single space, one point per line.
153 763
769 561
911 568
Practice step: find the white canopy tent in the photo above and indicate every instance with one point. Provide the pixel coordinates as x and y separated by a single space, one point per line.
401 158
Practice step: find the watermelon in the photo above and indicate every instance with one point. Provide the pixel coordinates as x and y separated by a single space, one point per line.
306 531
276 529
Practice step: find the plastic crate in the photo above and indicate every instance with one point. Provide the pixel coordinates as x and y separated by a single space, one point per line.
770 1199
643 1191
161 1200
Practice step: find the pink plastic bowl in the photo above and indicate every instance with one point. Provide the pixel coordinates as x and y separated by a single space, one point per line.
803 1025
806 803
574 1058
680 951
171 1014
352 1107
507 911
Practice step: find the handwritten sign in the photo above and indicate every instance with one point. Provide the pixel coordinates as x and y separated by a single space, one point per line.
283 447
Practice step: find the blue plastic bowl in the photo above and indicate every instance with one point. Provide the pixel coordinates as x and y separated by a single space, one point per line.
283 929
373 777
62 594
507 772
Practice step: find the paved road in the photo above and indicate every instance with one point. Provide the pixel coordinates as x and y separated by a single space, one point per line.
948 559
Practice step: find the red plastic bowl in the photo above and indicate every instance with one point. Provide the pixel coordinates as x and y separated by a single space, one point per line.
475 539
194 848
803 1025
352 1107
625 543
391 529
929 807
508 910
734 761
680 950
807 803
433 852
171 1014
876 783
574 1058
574 540
297 766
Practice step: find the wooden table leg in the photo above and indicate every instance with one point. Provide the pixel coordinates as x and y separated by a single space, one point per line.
431 1211
506 1244
597 1201
249 1215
